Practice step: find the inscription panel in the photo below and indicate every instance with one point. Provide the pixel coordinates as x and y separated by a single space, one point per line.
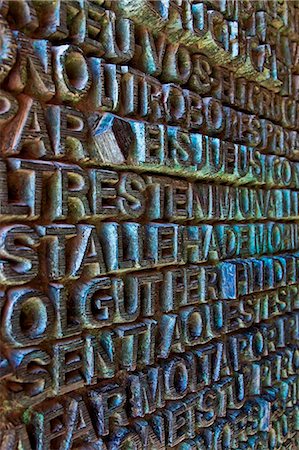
149 207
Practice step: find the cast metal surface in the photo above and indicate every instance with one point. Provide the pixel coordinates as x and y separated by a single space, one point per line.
149 241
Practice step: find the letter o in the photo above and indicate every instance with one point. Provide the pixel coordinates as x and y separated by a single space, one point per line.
192 325
176 379
276 237
258 344
71 73
286 172
213 114
195 325
76 70
28 317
